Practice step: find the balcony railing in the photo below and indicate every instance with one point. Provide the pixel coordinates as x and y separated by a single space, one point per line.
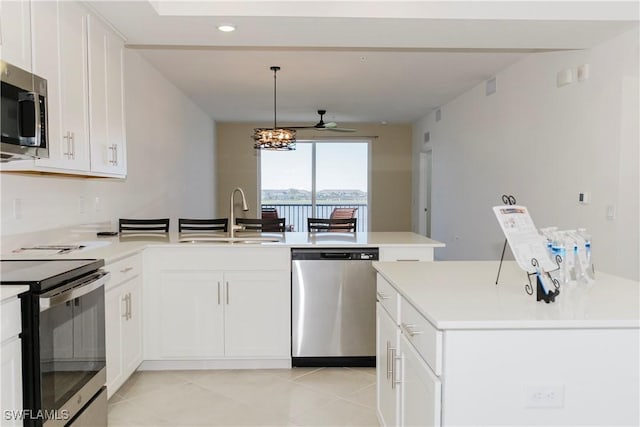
297 214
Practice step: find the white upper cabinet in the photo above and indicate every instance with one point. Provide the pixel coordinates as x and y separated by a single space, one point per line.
60 56
15 30
106 109
82 60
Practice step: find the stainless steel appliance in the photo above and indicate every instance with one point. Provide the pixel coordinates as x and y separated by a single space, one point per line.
333 307
23 122
63 340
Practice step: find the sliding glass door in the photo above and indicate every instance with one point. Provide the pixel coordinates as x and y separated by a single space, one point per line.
315 180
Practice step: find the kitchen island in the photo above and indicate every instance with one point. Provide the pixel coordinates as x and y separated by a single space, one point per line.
454 348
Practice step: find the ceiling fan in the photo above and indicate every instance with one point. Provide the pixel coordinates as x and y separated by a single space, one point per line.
321 125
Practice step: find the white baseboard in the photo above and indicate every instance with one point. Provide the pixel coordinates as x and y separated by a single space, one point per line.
165 365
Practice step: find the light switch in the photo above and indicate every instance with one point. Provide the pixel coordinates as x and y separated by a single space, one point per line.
583 72
564 77
611 212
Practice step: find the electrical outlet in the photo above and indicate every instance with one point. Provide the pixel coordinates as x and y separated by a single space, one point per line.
96 204
584 198
544 396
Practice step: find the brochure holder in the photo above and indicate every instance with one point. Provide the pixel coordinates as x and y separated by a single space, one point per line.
542 294
528 249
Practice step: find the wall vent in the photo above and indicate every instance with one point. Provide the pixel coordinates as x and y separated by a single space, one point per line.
438 115
427 137
491 86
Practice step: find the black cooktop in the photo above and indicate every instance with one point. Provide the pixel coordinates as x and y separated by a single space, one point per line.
43 274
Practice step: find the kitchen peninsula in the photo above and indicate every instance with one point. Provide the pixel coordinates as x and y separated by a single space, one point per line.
464 351
185 301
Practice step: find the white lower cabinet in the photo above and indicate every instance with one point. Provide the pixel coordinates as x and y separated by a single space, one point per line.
409 393
387 347
123 321
10 363
190 314
257 313
420 389
217 304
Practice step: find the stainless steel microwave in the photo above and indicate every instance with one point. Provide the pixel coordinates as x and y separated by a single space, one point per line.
24 114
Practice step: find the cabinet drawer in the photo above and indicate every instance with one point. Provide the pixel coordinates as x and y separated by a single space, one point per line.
388 297
406 253
424 337
123 270
10 319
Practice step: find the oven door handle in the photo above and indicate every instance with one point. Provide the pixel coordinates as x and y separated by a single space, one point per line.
73 290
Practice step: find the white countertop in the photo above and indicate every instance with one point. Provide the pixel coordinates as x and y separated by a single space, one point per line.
463 295
113 248
7 292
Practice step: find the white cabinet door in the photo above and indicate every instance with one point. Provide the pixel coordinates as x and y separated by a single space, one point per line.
257 313
60 51
386 348
106 108
132 327
420 389
189 315
15 30
114 306
11 384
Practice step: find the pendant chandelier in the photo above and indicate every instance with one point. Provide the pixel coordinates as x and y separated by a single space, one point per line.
280 139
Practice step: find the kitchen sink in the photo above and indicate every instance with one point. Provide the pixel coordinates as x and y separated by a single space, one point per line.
227 240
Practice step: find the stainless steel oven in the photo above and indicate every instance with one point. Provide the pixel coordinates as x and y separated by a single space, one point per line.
63 341
23 124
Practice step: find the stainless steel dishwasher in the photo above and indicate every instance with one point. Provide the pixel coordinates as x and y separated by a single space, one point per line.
333 307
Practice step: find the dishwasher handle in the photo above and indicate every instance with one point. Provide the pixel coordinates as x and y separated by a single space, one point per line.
335 255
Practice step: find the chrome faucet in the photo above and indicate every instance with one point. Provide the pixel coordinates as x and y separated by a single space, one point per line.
232 225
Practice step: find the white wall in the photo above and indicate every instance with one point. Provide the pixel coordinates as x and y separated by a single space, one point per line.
544 144
170 156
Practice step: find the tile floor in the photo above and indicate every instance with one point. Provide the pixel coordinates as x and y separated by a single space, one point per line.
271 397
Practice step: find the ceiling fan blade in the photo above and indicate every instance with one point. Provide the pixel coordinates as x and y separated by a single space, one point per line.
322 126
336 129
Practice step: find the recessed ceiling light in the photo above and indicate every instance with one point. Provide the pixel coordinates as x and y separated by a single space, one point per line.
226 28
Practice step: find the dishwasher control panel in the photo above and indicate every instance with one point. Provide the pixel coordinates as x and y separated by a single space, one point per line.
335 254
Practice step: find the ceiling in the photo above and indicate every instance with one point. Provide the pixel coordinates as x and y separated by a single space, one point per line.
363 61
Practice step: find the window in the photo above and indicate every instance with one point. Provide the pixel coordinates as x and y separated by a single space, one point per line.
314 179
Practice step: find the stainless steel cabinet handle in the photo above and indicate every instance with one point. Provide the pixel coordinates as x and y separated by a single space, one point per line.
218 293
388 359
411 329
67 138
382 296
411 259
125 300
394 378
393 368
114 154
227 292
126 269
72 140
130 314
